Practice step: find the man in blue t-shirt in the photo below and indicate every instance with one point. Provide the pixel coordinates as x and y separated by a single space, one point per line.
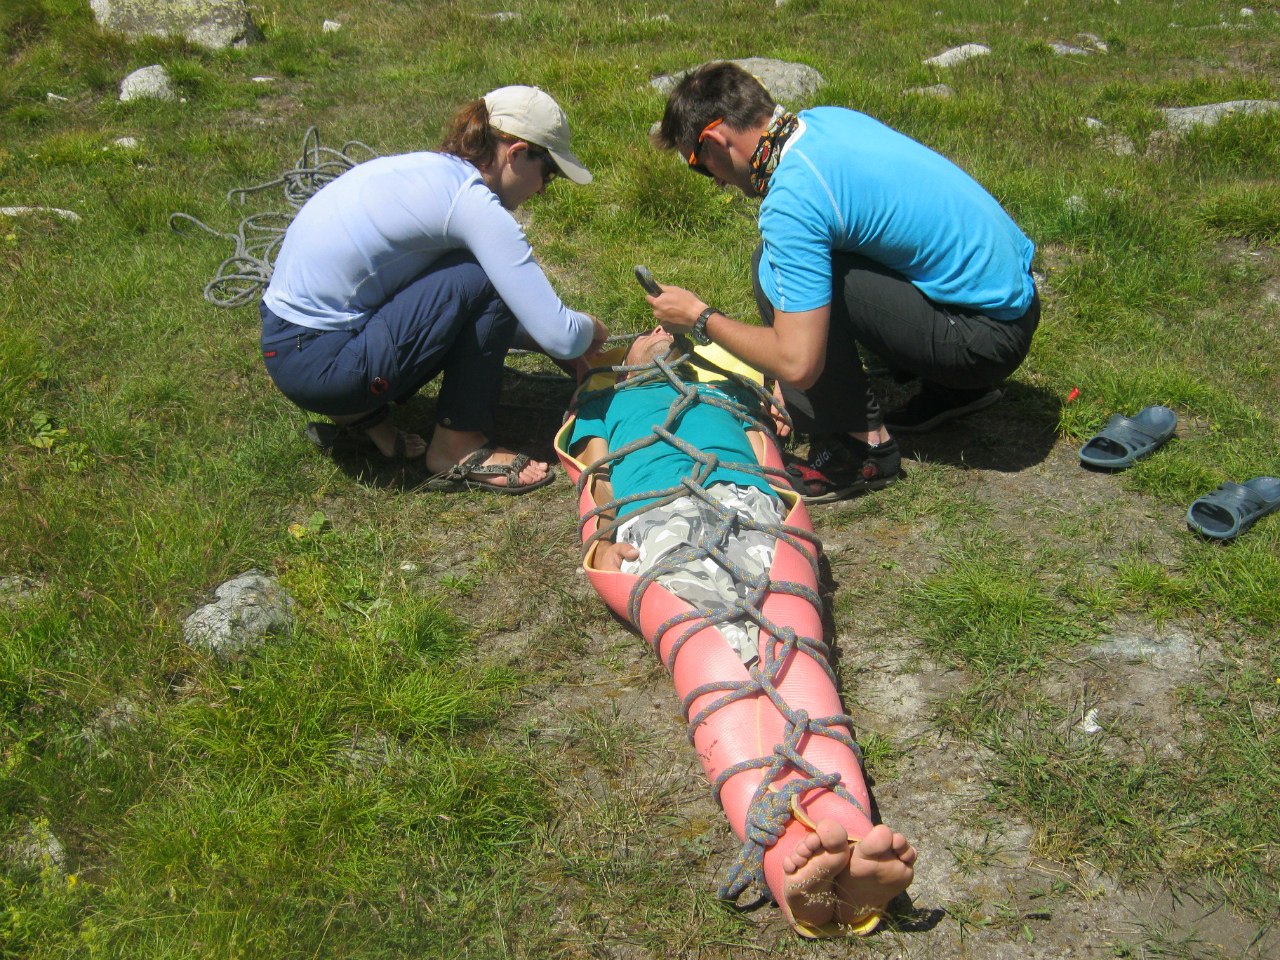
869 240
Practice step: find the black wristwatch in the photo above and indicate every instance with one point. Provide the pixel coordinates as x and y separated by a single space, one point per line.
698 332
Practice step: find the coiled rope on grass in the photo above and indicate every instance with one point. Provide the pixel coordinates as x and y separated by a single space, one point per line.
771 806
244 275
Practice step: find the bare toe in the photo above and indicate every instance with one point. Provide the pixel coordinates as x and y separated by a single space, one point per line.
811 866
881 867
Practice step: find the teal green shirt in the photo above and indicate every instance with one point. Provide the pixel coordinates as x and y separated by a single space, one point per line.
625 415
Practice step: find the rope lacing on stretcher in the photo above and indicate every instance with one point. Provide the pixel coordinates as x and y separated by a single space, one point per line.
245 274
773 803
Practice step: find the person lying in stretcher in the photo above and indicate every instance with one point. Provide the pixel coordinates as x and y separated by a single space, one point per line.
828 880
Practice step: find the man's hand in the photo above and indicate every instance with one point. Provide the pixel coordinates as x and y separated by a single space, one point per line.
780 425
676 308
609 556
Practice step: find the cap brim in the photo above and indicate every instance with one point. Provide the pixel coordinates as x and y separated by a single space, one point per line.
570 168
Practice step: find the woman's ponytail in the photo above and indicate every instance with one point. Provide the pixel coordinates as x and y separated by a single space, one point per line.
468 135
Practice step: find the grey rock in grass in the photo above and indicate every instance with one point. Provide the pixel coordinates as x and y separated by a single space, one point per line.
35 845
1093 42
1115 143
125 143
1066 50
116 718
966 51
214 24
249 608
147 83
786 82
58 212
330 26
1182 119
16 589
502 16
939 91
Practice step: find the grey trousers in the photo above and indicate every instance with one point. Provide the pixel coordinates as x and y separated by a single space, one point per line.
703 582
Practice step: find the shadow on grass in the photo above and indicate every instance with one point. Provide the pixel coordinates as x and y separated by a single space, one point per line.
528 417
1011 436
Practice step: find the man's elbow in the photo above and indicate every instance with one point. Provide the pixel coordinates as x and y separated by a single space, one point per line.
800 373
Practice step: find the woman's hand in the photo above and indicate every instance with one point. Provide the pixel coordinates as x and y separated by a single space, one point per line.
598 338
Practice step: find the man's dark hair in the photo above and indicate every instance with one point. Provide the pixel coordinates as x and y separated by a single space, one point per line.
712 91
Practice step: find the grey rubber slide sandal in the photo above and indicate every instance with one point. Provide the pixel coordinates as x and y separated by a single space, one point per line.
1230 510
1125 440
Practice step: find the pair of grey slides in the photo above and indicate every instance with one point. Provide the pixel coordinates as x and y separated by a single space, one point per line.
1221 514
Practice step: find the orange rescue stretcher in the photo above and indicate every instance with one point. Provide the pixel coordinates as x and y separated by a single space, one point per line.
773 738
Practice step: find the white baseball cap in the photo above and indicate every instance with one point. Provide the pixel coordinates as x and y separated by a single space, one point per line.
531 114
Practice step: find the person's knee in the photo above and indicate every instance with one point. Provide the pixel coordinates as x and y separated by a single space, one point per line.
461 271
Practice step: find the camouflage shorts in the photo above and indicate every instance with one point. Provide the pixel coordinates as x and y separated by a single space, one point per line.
704 583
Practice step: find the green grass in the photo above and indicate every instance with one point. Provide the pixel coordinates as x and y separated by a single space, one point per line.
369 785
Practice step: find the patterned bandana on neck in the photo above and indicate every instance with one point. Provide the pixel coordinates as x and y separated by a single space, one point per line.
769 150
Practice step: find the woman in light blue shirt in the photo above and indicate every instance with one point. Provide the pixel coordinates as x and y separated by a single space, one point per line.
411 266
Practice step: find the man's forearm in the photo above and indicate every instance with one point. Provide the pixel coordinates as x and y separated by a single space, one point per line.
793 349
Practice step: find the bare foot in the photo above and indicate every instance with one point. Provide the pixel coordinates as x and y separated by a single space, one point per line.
450 447
384 435
810 870
881 867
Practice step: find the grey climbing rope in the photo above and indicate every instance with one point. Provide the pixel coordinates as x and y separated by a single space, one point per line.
771 806
244 275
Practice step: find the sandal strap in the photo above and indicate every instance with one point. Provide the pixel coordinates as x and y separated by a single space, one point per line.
474 466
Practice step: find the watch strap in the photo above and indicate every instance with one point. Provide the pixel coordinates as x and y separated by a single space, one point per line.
698 332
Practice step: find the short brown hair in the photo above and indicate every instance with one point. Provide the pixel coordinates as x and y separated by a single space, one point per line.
712 91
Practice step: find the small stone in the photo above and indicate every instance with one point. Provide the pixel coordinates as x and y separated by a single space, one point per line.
36 846
408 567
504 15
126 143
27 211
248 609
1066 50
16 589
1246 11
147 83
1075 203
264 79
939 90
1093 123
55 98
331 26
966 51
1182 119
1090 722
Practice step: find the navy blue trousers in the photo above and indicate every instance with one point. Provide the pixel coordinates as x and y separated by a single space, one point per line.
449 321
